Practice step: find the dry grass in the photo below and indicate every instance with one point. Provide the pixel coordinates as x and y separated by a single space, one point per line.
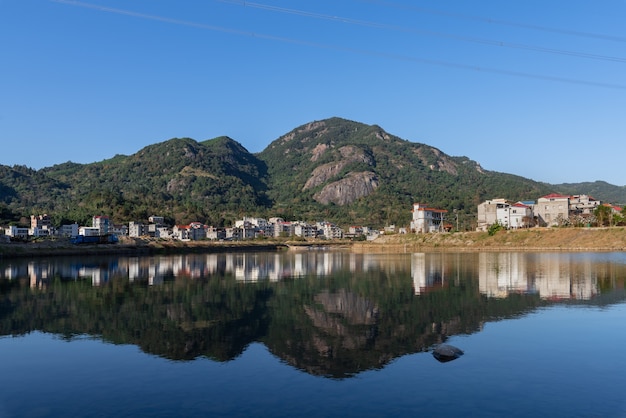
566 239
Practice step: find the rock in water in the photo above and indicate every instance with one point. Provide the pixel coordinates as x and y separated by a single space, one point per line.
446 352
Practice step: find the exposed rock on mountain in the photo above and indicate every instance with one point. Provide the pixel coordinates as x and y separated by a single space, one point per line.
349 189
334 169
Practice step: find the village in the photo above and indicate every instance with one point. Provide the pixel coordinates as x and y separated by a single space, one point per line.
549 211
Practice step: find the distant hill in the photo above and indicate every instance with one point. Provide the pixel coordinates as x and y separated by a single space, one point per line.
335 169
598 189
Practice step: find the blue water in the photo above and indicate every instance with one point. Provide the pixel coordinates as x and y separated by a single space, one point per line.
558 360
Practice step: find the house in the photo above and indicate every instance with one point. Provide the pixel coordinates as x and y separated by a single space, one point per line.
329 230
553 209
89 231
516 215
17 232
305 230
284 229
157 220
136 229
214 233
102 223
197 231
427 219
488 213
582 205
70 230
40 226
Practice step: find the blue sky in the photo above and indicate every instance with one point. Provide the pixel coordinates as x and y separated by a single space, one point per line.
527 87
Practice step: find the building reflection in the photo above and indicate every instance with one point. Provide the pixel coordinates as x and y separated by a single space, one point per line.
244 267
428 272
503 273
551 275
554 276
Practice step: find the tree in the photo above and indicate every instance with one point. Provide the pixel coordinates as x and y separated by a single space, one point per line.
603 215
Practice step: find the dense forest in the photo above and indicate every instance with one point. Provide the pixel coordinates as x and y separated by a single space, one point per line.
336 170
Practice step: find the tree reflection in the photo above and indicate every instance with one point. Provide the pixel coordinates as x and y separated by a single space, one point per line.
328 314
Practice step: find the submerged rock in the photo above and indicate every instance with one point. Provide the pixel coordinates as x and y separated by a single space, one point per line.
446 352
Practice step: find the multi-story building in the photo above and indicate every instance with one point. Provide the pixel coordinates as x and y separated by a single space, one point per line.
40 226
582 205
305 230
214 233
427 219
70 230
102 223
136 229
552 209
329 230
488 212
516 215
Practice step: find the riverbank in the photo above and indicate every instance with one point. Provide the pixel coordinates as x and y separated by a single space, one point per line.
536 239
131 246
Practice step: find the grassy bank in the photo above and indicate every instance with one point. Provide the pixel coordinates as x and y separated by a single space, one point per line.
134 246
535 239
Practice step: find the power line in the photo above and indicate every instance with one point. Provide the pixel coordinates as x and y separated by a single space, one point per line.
501 22
339 48
376 25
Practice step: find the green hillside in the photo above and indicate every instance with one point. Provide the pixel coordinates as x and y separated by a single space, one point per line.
319 158
214 181
335 169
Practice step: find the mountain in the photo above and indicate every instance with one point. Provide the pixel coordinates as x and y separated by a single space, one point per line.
334 169
180 178
356 173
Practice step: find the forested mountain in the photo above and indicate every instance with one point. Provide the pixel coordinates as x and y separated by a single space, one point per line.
357 173
215 180
338 170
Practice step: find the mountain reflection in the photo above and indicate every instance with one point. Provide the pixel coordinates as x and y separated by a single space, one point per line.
328 313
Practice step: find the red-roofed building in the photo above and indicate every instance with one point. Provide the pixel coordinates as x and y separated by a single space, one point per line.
427 219
517 215
552 209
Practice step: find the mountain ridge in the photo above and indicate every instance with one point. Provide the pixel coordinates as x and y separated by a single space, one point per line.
333 169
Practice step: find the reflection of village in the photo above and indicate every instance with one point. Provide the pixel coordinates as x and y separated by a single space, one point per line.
551 275
245 267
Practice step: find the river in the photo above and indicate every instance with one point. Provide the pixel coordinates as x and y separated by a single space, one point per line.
314 333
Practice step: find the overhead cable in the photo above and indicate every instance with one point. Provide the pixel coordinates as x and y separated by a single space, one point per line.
340 48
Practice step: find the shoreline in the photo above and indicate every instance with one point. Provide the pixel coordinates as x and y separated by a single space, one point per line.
530 240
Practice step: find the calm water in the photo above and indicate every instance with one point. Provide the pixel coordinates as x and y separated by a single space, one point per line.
314 334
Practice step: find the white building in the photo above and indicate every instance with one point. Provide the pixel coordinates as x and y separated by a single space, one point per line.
427 219
70 230
329 230
16 232
136 229
488 213
102 223
89 231
517 215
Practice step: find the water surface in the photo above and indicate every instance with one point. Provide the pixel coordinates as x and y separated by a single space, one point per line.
314 334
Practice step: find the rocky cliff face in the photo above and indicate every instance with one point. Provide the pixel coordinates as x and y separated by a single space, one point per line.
361 174
341 189
347 190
